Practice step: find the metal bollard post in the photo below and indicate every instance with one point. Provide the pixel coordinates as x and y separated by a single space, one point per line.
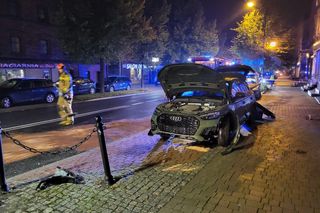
4 186
103 149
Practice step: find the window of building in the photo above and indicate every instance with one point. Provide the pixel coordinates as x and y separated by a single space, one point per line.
42 14
44 47
13 7
15 45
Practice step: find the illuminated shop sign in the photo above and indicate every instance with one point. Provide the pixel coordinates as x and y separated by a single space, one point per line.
27 66
133 66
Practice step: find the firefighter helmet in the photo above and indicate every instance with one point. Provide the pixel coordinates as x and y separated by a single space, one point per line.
60 66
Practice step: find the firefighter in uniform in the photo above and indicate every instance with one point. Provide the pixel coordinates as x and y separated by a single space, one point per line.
65 96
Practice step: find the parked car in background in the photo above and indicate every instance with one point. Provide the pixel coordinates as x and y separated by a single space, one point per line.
204 105
83 86
115 83
23 90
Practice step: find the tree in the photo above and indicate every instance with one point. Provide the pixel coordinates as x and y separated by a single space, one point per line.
248 42
101 30
190 33
260 39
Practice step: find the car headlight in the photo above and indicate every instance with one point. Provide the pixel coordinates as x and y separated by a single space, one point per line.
211 116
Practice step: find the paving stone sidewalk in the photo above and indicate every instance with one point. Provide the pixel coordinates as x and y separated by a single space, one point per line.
278 173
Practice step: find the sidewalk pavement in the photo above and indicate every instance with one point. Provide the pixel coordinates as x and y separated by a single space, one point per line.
278 173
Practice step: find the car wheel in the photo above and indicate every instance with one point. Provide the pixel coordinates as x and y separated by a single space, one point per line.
223 133
6 102
111 89
92 91
50 98
128 87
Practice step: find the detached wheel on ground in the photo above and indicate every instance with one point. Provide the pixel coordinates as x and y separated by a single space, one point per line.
6 102
111 89
224 132
50 98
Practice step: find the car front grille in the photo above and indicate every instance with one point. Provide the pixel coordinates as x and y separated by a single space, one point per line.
177 124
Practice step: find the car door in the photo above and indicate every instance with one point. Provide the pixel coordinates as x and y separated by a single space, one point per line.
24 92
86 85
117 84
248 100
39 90
237 101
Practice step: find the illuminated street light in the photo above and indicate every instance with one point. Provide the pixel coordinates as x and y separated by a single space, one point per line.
250 4
273 44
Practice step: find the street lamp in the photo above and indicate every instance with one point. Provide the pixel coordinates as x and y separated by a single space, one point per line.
273 44
250 4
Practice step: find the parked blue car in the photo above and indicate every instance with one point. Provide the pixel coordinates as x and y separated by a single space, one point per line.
23 90
83 86
115 83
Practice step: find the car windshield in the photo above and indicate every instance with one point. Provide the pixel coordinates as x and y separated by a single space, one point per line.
9 84
202 94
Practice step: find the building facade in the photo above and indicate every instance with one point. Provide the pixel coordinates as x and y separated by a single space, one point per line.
316 45
28 43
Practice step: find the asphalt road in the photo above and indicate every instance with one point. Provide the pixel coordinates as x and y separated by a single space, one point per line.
34 118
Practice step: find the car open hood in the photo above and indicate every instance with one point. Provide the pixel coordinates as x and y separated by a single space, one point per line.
243 69
177 78
235 71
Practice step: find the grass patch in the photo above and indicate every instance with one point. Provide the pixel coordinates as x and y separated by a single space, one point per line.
107 94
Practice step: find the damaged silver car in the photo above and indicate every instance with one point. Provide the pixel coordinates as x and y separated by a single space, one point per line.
204 105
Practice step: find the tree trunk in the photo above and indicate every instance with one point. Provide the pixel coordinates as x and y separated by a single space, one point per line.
142 76
120 67
102 75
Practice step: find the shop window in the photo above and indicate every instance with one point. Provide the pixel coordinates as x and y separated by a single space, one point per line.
13 7
15 45
44 47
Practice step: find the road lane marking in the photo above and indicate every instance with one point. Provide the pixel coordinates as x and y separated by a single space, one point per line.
24 126
139 103
121 96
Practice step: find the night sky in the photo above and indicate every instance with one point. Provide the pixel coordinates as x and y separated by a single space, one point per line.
228 12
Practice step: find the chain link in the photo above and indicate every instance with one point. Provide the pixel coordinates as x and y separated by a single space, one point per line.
33 150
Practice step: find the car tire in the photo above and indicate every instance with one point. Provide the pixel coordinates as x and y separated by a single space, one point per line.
92 91
223 133
111 89
128 87
6 102
50 98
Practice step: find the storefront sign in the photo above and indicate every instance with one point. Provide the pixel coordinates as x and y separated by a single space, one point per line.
133 66
27 66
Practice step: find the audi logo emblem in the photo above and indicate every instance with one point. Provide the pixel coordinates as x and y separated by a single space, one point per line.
176 118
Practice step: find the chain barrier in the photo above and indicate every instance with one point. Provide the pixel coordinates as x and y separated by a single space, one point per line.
54 152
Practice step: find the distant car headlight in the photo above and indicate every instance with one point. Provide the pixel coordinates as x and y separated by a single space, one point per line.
211 116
